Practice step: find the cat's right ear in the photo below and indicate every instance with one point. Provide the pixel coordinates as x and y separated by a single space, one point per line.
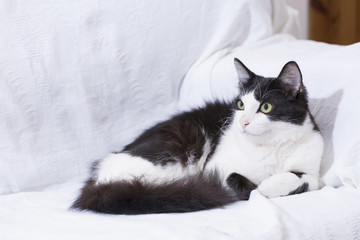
291 78
244 74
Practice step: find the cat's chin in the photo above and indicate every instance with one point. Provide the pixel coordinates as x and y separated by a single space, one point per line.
257 137
249 134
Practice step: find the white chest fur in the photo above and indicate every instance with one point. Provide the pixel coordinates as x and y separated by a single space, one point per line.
235 154
297 150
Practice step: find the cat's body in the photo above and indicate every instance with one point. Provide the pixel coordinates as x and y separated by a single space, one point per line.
211 156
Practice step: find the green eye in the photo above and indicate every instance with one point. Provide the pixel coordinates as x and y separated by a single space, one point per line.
266 107
240 105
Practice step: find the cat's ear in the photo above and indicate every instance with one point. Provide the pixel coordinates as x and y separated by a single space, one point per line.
291 78
244 74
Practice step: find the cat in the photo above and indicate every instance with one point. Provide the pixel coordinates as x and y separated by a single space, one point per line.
265 139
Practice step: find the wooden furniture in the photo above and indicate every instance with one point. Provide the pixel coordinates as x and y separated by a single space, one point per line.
334 21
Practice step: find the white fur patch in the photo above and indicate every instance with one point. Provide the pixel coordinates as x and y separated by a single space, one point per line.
125 167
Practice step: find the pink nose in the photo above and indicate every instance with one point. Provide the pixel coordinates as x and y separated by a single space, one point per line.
244 124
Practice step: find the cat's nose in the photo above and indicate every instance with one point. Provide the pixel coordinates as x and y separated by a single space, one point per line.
244 124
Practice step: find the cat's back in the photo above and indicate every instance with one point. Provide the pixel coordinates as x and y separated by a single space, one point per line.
184 136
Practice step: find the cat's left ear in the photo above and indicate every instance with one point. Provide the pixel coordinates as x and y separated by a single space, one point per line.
291 78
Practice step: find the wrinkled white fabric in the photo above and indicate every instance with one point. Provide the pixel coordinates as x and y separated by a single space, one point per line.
79 79
320 215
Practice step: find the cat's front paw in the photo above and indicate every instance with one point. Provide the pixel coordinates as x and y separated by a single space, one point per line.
278 185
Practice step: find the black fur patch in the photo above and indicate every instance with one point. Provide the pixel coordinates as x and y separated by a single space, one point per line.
298 174
241 185
136 197
316 127
303 188
183 136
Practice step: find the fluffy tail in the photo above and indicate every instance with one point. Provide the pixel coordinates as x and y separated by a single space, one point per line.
137 197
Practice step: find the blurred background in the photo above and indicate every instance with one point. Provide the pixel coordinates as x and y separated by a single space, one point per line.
331 21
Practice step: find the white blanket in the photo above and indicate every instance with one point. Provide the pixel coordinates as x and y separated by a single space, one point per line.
79 79
325 214
321 215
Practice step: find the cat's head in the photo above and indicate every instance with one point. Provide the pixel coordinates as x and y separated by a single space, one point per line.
267 109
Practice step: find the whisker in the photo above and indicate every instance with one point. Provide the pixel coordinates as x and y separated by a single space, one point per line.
226 120
241 86
259 86
274 90
267 86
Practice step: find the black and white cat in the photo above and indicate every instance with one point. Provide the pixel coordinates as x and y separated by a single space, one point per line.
266 138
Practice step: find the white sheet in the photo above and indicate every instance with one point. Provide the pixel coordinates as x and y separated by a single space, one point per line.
331 75
326 214
64 101
82 78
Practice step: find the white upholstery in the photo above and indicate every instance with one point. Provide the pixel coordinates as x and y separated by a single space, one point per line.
81 78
